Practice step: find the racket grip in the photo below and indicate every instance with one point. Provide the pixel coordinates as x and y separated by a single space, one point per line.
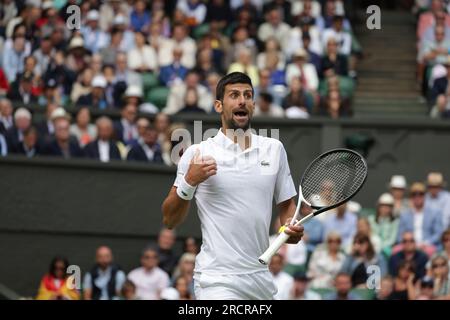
273 248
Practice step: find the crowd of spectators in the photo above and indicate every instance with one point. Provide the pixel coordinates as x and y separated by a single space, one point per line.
147 58
404 242
433 55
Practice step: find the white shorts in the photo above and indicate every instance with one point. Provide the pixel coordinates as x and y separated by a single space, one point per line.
253 286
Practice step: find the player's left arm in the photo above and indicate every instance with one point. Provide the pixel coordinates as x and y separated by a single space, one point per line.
286 211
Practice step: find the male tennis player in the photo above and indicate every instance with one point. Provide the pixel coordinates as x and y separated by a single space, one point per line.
234 177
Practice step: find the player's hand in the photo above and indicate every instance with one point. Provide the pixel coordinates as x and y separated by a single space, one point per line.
200 169
295 232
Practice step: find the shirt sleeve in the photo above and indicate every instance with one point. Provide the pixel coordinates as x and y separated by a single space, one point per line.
183 164
284 187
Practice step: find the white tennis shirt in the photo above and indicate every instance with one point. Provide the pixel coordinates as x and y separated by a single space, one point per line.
235 205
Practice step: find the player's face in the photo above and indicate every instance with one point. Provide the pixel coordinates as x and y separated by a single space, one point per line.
237 106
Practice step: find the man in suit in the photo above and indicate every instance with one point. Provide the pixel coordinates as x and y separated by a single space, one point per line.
63 145
126 129
29 147
147 149
174 72
21 90
45 127
424 222
14 135
103 148
6 118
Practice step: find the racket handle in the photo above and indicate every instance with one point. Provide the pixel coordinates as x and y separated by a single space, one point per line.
279 241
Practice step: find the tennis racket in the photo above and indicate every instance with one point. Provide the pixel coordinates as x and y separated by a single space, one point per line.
329 181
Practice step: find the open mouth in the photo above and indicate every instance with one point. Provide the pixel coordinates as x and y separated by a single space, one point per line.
240 114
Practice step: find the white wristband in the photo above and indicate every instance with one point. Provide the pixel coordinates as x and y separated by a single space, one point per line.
185 190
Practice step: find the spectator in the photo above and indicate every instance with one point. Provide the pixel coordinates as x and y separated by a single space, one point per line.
341 36
51 93
405 282
125 128
103 148
300 68
111 9
56 284
142 58
191 102
426 289
110 52
129 291
29 147
283 280
140 18
333 59
168 259
271 46
6 111
83 129
362 256
300 289
149 279
343 285
424 222
182 286
334 106
274 27
175 101
297 99
147 148
14 58
240 39
43 55
397 187
363 226
175 72
105 280
343 222
384 224
21 90
191 246
78 57
326 261
62 145
408 253
185 270
193 10
96 99
179 39
14 135
267 108
440 275
437 198
245 64
386 288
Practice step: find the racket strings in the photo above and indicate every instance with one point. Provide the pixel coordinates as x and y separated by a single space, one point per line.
333 178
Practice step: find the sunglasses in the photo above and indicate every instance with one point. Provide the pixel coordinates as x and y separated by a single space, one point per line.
407 240
438 265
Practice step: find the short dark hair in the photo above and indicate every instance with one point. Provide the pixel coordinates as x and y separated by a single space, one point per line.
231 78
267 97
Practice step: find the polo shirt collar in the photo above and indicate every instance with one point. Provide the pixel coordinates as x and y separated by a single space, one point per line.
222 140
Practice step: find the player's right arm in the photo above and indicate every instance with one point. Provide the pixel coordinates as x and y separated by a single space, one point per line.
175 207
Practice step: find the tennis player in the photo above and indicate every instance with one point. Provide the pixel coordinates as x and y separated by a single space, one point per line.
234 177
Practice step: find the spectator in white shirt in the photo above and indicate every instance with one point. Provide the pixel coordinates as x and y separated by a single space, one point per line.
300 289
142 58
274 27
149 279
194 11
437 198
342 37
179 39
282 279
